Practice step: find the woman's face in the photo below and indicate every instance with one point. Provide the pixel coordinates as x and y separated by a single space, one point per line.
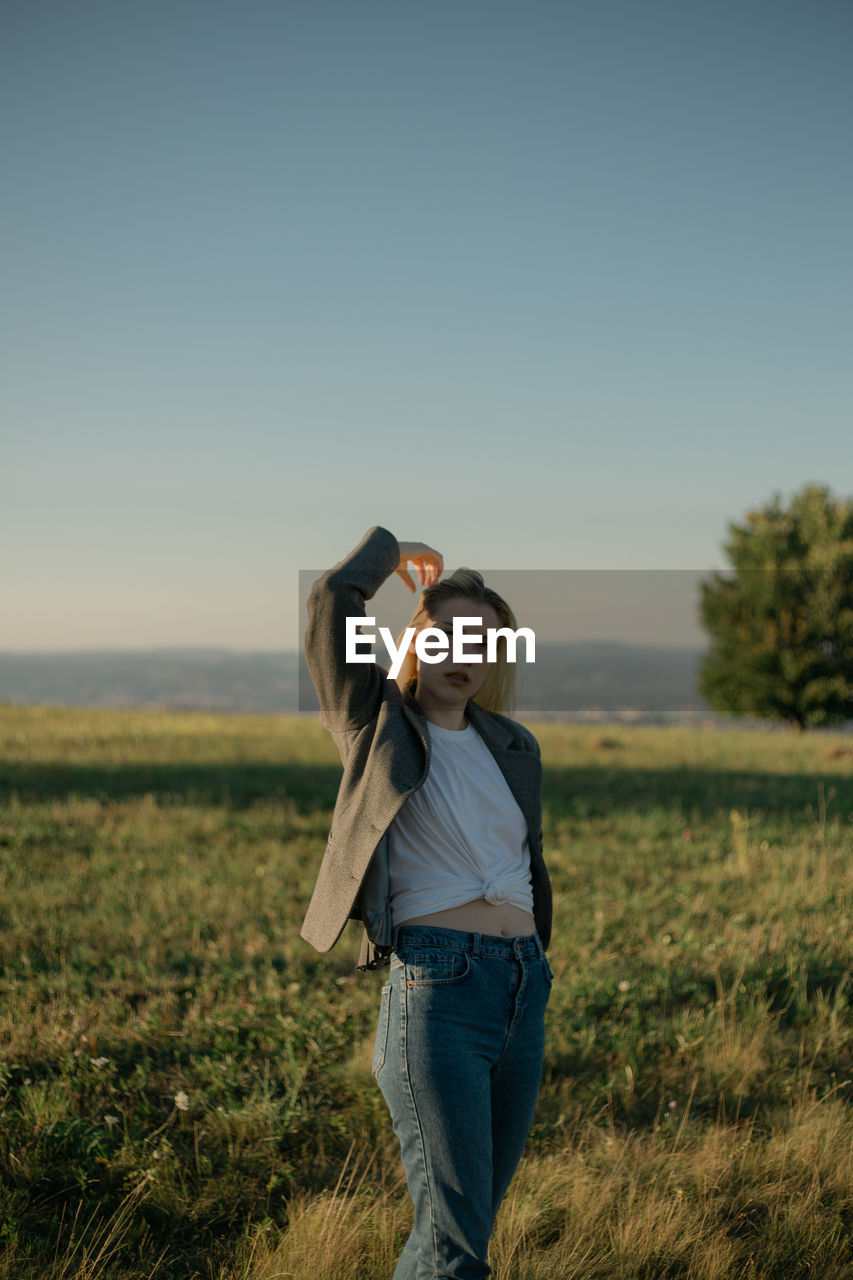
453 683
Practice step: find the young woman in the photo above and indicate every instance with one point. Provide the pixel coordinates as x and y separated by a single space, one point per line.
436 845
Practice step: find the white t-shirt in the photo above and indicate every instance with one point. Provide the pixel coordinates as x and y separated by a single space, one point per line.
461 836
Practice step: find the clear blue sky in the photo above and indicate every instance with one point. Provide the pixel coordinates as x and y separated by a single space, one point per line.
546 284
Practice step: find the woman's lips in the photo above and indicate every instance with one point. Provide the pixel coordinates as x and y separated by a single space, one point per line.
456 677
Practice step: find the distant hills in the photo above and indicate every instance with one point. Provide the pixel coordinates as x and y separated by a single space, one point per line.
189 679
581 680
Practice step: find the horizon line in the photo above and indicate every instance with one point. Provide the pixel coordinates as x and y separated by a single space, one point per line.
95 650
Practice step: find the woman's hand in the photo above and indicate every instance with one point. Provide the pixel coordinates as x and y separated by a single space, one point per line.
429 564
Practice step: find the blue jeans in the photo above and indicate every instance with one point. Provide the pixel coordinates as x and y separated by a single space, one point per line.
458 1058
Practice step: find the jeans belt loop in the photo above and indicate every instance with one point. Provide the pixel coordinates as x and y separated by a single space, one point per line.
478 943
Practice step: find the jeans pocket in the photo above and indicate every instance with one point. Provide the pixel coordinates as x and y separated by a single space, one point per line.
429 967
381 1041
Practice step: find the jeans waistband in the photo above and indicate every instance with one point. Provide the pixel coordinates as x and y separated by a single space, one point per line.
488 944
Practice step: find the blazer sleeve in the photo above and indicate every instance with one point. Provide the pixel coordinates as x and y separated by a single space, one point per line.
349 693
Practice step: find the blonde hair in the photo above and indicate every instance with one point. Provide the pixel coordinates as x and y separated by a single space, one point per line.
497 692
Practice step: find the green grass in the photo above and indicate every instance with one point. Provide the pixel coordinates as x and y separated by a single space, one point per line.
185 1085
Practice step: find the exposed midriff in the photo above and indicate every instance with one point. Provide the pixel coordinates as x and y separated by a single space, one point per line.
501 919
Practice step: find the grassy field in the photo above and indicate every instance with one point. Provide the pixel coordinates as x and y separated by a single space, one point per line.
185 1085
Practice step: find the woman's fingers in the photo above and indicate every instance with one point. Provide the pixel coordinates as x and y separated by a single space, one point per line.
427 561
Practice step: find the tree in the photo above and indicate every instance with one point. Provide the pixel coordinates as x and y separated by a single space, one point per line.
782 628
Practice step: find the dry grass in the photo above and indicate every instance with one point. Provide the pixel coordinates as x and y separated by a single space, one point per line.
716 1202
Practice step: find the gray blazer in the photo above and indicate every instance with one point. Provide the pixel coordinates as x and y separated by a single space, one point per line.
384 743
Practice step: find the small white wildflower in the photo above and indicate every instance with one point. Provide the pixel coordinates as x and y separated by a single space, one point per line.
182 1101
111 1120
671 1105
99 1062
623 985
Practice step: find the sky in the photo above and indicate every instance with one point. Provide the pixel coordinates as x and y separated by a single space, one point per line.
553 285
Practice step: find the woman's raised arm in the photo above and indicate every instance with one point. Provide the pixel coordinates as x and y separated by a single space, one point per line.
349 693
